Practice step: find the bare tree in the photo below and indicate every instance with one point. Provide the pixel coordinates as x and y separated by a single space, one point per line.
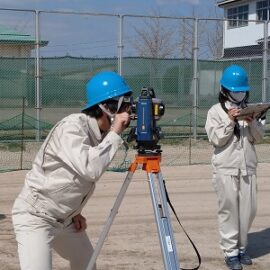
209 36
186 38
155 40
215 36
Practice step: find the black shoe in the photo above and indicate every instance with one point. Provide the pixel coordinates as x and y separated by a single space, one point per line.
245 258
233 263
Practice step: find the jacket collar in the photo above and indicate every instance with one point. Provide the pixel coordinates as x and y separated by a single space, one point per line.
93 126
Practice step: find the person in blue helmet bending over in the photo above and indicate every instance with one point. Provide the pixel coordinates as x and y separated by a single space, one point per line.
47 213
234 164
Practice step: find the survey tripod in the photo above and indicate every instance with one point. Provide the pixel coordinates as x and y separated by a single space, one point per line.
150 162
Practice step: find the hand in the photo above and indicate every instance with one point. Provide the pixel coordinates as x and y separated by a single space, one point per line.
121 122
249 119
233 113
79 223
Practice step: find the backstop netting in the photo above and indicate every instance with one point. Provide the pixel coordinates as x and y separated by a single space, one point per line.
23 125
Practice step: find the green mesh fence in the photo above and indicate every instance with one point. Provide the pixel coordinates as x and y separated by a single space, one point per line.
63 79
23 127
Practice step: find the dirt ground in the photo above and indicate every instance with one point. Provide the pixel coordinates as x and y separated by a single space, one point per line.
132 242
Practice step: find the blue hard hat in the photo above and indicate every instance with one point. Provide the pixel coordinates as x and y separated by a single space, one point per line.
105 85
235 79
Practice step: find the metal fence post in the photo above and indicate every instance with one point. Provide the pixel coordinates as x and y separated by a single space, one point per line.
190 141
265 56
22 133
120 45
37 76
195 78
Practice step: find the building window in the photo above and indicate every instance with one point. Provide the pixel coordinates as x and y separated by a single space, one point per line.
237 16
262 8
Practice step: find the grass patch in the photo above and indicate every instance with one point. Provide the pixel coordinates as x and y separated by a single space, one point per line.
12 147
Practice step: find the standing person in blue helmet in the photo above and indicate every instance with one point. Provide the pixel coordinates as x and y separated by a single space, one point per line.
47 213
234 164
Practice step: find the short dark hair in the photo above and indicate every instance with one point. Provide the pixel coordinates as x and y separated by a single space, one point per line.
93 111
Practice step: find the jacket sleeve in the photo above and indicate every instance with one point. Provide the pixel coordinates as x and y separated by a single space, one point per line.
72 148
257 130
219 130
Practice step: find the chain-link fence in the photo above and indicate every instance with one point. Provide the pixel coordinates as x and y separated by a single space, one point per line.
48 56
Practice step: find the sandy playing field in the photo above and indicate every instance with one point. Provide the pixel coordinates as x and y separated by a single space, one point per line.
133 241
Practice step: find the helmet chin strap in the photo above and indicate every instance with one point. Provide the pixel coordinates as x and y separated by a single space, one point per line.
239 103
109 114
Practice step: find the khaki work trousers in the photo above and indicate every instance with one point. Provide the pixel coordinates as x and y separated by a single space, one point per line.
37 237
237 204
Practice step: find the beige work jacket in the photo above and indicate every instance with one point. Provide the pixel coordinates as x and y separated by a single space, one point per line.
63 176
230 154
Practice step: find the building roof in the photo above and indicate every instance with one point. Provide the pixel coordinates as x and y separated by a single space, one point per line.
222 3
244 51
10 36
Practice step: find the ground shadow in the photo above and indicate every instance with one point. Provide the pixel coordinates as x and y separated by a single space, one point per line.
259 243
2 216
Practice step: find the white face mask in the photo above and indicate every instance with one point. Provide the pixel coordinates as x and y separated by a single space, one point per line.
237 97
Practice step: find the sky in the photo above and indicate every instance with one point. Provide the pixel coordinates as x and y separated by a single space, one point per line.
96 36
201 8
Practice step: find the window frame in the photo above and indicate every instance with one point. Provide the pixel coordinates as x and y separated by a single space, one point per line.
238 16
262 9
